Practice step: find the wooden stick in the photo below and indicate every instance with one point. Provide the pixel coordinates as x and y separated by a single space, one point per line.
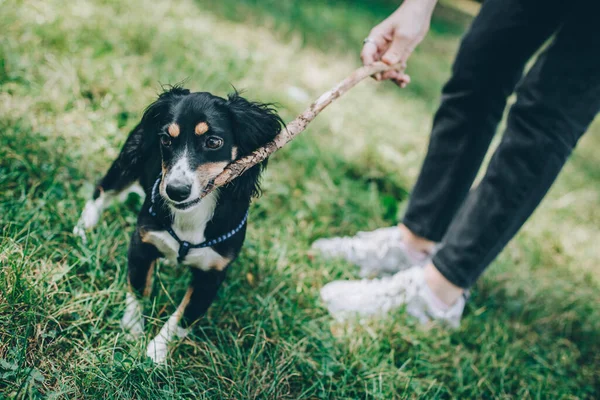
292 129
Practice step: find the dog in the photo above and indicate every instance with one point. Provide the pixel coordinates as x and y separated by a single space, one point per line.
183 141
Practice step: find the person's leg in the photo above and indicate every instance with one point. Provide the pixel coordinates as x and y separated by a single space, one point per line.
556 102
488 65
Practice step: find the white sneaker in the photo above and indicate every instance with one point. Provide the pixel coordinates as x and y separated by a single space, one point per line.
377 253
377 297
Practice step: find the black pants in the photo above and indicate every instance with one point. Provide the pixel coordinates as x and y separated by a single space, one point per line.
556 102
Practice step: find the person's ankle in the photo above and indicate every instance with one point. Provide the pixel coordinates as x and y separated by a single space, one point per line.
415 242
441 287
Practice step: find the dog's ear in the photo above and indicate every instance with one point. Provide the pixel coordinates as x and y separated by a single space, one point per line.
255 124
143 139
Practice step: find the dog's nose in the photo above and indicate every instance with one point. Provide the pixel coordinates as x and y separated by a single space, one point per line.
178 191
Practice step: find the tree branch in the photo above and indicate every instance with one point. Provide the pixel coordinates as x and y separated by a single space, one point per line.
292 129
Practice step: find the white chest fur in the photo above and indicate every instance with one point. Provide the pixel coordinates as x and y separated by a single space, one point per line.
189 226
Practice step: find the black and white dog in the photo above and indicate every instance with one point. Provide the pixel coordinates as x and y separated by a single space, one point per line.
182 143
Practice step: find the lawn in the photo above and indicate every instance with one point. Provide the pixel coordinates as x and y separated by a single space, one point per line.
74 79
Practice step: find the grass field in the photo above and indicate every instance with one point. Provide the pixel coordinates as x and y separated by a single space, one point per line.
74 79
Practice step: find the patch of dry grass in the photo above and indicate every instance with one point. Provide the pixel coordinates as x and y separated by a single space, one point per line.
74 79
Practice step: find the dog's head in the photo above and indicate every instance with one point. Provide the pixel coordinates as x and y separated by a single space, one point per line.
200 134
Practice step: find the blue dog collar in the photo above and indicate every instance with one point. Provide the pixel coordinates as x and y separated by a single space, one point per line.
184 247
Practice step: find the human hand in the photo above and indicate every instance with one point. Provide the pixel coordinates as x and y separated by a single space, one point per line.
394 40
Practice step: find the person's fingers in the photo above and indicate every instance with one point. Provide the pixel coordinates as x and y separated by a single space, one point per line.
392 74
398 51
368 53
402 82
374 46
398 77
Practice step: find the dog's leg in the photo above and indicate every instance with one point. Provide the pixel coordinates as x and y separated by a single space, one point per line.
119 180
92 211
142 259
199 296
93 208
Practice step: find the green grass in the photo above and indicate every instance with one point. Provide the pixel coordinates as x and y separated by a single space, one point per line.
74 79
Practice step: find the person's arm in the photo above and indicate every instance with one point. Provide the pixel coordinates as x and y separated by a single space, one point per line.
393 40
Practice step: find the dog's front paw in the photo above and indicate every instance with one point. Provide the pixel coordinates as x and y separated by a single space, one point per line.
133 321
89 217
91 213
134 328
80 232
158 349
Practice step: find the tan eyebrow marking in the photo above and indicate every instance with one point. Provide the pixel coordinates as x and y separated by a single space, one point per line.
201 128
173 130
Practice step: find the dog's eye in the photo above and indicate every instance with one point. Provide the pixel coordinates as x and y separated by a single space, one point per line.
213 142
165 140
